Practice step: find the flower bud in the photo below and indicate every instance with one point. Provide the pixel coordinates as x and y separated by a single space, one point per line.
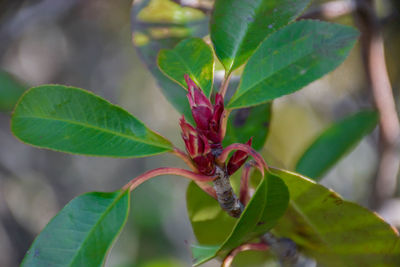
238 159
202 110
198 148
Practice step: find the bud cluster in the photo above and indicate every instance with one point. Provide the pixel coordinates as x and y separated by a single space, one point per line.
203 142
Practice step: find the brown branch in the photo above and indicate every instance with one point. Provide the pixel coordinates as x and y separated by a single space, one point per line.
375 66
227 199
330 10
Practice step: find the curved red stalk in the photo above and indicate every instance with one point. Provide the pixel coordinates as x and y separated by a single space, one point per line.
245 148
250 246
165 171
244 184
179 153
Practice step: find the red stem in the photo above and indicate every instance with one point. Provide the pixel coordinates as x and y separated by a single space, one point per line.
251 246
165 171
204 186
245 148
244 184
180 154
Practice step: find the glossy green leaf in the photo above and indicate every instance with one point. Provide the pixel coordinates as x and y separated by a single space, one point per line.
73 120
82 233
238 27
334 143
291 58
333 231
191 56
267 205
249 122
10 91
162 24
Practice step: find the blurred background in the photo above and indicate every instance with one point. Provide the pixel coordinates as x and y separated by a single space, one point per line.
88 44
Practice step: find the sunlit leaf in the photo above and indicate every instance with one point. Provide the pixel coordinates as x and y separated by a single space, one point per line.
291 58
193 57
73 120
82 233
238 27
334 143
333 231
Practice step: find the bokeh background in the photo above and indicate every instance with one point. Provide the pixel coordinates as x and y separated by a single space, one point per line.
88 44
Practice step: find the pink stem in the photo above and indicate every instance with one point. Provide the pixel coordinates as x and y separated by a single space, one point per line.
165 171
204 186
245 148
251 246
179 153
244 184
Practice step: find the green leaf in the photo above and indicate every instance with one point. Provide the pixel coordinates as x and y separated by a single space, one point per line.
201 253
191 56
72 120
334 143
291 58
238 27
249 122
10 91
267 205
333 231
82 233
162 24
211 225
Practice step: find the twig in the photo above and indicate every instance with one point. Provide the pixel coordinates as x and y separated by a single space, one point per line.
330 10
375 67
284 249
227 199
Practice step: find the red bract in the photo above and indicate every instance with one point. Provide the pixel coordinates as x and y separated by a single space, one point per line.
207 117
198 148
238 159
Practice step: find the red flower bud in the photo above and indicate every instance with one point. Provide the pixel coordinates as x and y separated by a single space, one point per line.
238 159
202 109
198 148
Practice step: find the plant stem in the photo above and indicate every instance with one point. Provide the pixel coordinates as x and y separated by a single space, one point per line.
250 246
246 148
131 185
244 183
224 122
377 74
182 155
203 185
330 10
225 84
284 249
225 195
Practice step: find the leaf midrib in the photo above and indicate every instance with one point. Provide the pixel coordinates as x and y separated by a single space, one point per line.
93 127
97 223
242 37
